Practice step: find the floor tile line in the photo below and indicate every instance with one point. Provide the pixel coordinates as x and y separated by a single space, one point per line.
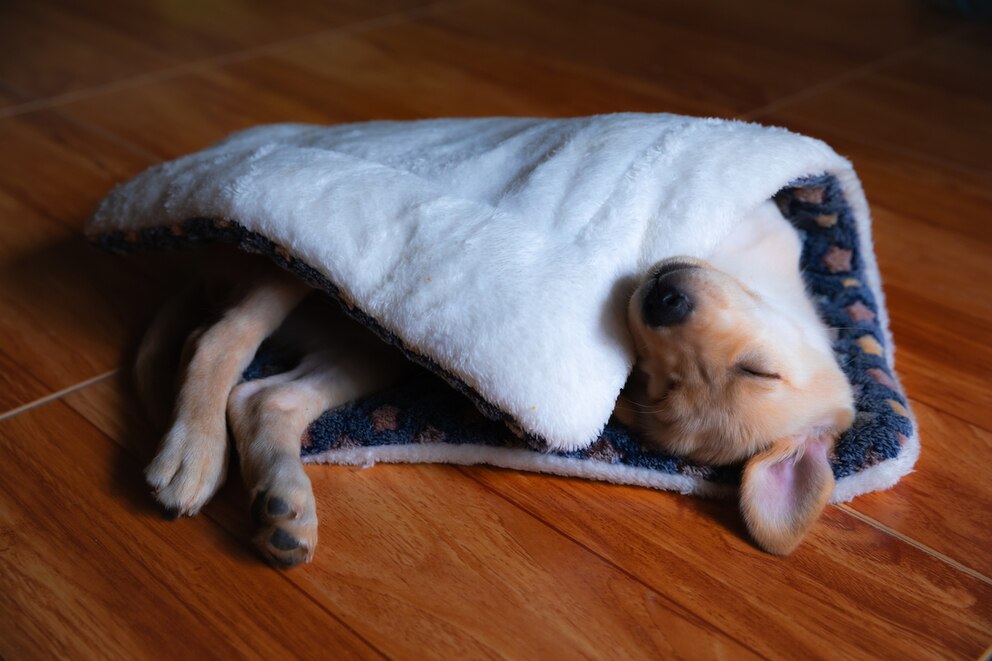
41 401
915 543
354 28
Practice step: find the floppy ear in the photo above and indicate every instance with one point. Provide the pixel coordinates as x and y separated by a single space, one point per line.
785 488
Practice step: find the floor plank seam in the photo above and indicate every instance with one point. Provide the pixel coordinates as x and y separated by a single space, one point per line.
915 543
284 575
843 507
857 72
860 72
545 562
938 409
41 401
225 59
226 530
679 608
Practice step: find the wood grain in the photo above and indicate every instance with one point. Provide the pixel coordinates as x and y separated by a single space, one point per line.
933 103
512 59
349 78
946 503
49 49
65 308
849 586
435 561
87 566
940 319
417 558
735 56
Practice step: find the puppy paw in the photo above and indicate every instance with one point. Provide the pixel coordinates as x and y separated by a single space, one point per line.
188 470
286 521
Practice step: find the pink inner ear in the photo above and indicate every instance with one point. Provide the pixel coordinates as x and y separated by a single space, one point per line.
786 483
774 489
785 489
781 478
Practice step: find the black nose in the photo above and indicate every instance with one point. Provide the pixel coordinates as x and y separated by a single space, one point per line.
665 305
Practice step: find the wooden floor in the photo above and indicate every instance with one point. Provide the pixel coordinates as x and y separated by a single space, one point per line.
448 562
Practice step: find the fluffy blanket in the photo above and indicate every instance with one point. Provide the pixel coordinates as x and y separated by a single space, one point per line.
495 251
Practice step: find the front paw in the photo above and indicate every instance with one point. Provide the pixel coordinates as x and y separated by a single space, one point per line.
189 468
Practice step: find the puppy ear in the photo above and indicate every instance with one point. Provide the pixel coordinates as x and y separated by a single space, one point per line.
785 488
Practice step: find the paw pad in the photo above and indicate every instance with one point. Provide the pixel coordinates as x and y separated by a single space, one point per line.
283 541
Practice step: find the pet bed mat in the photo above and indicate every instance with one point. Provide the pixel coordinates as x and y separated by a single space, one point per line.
490 251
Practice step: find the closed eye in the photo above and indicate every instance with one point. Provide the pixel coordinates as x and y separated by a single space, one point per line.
757 372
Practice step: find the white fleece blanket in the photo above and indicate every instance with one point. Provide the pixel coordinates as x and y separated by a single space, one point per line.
496 248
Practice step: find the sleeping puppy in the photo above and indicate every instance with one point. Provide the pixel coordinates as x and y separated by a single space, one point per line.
733 365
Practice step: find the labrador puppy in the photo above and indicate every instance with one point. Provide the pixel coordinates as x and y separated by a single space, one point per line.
733 365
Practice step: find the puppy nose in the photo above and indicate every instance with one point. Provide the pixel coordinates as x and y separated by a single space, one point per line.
666 305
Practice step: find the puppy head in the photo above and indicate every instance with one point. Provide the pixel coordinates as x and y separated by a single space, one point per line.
725 374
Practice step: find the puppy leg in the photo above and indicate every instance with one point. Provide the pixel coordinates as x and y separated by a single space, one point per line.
192 459
268 418
154 374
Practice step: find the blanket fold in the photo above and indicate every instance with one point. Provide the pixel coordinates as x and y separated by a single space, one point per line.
495 250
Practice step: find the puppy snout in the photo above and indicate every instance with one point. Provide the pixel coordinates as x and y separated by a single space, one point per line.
666 305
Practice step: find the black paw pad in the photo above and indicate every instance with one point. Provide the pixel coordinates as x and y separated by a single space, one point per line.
278 507
283 541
